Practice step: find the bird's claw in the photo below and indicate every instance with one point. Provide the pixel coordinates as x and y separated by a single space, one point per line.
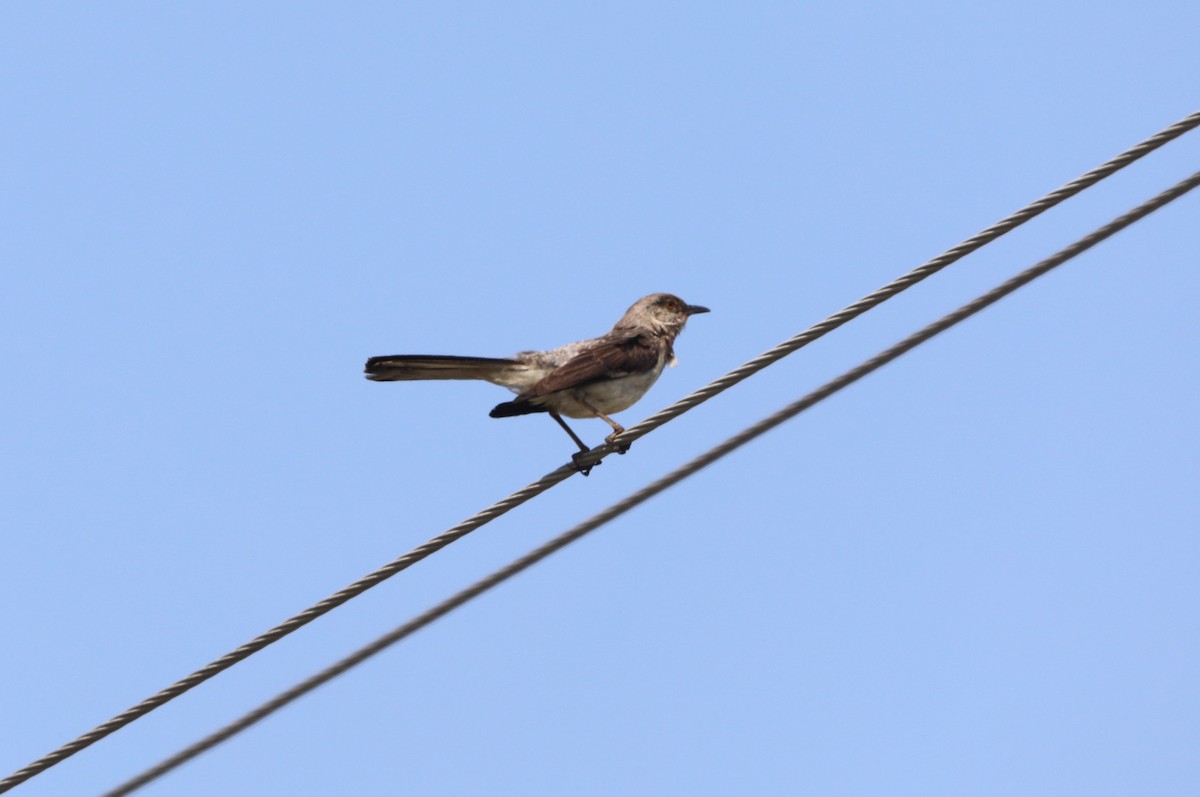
584 469
620 448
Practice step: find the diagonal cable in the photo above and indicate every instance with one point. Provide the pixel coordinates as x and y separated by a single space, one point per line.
652 489
596 454
902 283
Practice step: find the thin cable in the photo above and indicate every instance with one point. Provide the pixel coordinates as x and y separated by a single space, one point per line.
656 487
600 452
896 286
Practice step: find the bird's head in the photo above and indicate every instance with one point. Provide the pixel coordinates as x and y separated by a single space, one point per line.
662 313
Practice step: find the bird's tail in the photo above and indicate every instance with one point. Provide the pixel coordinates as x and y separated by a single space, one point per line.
407 367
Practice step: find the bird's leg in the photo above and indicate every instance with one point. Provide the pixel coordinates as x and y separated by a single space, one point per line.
582 446
583 449
617 428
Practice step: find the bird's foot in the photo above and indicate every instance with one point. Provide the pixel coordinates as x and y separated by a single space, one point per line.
620 448
584 469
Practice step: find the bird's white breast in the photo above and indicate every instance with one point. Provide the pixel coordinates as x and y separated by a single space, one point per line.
609 395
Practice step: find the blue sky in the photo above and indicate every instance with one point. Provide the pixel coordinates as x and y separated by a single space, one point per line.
972 573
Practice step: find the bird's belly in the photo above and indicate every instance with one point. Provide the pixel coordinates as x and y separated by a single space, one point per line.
608 396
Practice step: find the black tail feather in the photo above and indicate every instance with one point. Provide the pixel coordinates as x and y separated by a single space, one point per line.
510 409
404 367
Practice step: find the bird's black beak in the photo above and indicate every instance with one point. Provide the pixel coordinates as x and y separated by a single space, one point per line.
694 309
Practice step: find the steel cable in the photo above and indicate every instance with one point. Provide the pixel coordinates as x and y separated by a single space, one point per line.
600 452
654 488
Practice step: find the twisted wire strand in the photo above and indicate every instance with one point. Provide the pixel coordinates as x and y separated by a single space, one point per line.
288 626
894 287
600 452
654 488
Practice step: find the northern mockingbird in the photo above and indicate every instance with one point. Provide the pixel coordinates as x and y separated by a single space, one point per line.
587 379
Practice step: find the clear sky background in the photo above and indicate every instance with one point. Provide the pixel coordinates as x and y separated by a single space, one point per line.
974 572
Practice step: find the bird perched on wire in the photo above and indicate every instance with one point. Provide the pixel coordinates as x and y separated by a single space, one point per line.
587 379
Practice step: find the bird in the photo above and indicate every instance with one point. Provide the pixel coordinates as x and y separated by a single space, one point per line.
590 378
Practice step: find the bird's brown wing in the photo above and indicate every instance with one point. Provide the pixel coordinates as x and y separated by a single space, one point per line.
610 357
